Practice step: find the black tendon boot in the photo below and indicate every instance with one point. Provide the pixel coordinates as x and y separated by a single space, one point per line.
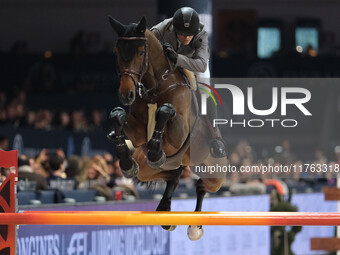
217 144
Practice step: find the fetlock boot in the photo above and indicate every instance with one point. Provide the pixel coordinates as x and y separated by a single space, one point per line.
217 146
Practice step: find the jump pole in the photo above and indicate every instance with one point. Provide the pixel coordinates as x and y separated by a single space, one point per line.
171 218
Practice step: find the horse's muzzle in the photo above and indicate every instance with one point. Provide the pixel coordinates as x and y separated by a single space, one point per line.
127 98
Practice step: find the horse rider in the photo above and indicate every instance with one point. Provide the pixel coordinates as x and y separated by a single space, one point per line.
185 41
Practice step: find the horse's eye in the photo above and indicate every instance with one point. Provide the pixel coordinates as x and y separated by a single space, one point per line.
141 53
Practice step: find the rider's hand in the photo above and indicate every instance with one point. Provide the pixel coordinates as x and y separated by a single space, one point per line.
172 55
166 46
170 52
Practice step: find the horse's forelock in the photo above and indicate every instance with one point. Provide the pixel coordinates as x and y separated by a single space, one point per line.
132 31
127 49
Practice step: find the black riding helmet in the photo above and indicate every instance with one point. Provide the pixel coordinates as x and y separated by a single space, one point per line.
186 21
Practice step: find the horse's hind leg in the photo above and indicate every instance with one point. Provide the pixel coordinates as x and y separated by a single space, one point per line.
165 203
202 187
127 163
196 232
156 156
200 192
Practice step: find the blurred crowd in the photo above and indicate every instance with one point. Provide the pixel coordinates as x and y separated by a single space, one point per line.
14 112
82 43
53 170
310 174
38 76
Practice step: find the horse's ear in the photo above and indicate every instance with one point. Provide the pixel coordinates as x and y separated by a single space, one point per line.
141 27
117 26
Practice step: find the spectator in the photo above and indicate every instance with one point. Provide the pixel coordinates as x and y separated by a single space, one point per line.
96 177
100 161
25 173
244 150
108 157
30 119
284 154
115 172
4 143
96 121
6 171
75 165
78 121
249 187
12 114
55 166
37 164
62 120
3 116
119 182
44 119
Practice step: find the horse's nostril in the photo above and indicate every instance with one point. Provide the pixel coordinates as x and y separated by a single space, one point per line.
131 95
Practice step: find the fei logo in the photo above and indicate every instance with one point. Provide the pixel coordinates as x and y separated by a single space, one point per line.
238 107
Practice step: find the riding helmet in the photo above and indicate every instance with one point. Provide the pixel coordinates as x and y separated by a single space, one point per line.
186 21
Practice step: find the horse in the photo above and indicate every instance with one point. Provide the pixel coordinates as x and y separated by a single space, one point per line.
180 138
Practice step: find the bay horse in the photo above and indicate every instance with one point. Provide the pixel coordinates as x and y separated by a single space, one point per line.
179 138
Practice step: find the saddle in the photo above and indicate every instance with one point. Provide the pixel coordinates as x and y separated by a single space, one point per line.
190 78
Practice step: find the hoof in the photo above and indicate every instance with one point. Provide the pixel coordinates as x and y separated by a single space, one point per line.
195 232
158 163
165 207
132 172
169 228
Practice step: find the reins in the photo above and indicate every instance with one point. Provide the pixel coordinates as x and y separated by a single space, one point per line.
141 90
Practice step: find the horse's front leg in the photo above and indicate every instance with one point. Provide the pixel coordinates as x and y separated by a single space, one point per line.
128 165
156 156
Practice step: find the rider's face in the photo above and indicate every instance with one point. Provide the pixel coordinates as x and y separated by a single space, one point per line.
185 39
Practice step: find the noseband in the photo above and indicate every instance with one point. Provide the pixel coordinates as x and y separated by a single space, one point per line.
140 88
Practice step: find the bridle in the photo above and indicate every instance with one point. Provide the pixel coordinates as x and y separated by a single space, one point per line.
139 86
141 90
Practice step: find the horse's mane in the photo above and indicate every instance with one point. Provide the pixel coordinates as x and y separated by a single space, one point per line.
152 39
156 50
